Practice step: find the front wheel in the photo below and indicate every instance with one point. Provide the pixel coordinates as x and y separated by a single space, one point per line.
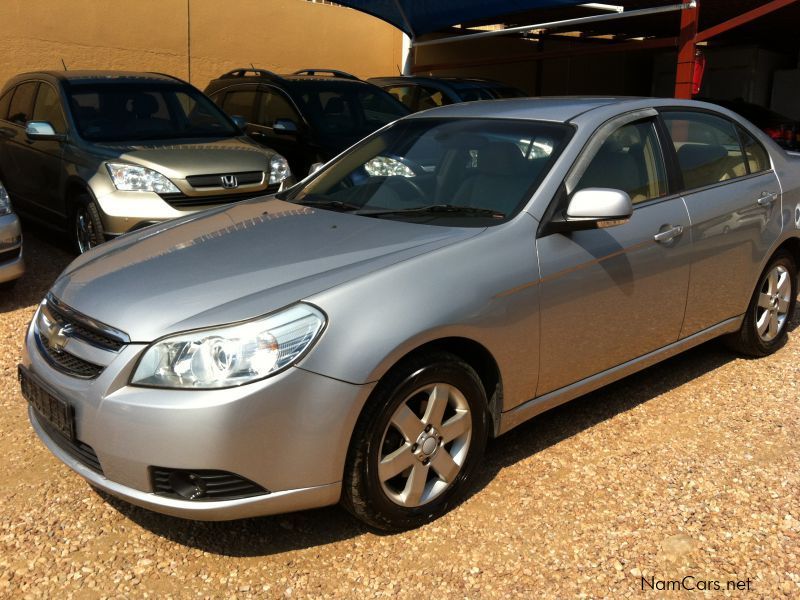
417 443
87 227
766 323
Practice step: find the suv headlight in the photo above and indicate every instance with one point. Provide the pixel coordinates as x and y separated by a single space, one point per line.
232 355
278 169
131 178
5 201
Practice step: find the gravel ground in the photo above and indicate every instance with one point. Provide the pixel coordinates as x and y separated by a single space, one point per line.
687 469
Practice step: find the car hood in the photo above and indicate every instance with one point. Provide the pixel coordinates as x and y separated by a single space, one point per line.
182 158
235 263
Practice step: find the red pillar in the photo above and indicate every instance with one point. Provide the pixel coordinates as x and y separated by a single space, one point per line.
686 51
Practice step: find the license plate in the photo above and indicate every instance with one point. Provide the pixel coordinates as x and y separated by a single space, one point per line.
54 410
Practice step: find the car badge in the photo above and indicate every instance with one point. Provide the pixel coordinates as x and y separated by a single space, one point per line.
229 182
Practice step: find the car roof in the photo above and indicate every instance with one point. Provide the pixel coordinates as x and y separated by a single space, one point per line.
558 109
102 76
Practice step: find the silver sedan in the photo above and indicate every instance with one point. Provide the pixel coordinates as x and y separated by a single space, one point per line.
12 265
358 338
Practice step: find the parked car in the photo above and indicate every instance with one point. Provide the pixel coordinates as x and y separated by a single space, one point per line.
782 129
101 153
360 336
309 116
422 93
12 265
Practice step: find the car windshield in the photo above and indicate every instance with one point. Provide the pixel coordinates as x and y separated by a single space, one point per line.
462 172
347 111
473 92
117 112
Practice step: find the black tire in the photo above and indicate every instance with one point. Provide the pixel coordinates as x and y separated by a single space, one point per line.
86 227
748 340
364 495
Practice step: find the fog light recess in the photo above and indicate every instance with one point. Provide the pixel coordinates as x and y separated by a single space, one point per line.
202 485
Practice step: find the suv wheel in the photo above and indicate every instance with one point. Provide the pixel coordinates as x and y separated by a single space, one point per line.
766 323
87 228
417 443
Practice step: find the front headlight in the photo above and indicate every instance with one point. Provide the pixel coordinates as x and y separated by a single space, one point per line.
232 355
130 178
278 169
5 201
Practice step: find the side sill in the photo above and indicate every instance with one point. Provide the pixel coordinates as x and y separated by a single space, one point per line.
536 406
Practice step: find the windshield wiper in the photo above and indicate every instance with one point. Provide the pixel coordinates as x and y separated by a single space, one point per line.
444 209
322 202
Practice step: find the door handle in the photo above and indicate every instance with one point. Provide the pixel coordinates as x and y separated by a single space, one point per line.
668 235
767 199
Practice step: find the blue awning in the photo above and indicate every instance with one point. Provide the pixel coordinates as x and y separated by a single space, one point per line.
416 17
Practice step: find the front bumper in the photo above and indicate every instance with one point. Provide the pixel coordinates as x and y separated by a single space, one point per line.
288 433
12 265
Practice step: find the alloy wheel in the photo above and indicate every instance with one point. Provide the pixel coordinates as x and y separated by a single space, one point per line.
425 445
773 305
85 232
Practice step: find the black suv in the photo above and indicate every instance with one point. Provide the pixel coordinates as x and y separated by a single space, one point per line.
308 116
422 93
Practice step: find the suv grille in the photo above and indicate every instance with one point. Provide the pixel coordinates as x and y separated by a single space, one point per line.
81 452
181 200
215 181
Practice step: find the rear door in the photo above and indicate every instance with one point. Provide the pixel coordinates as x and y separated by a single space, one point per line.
14 145
733 198
611 295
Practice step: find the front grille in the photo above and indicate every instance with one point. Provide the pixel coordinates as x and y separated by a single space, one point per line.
81 452
10 255
66 362
215 181
181 200
81 327
210 485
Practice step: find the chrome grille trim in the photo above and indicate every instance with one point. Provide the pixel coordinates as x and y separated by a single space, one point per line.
89 330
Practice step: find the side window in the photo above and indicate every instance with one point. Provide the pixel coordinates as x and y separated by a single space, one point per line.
5 102
756 155
629 160
48 108
275 106
22 103
707 147
241 103
431 98
403 93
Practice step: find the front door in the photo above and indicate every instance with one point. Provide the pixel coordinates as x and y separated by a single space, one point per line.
611 295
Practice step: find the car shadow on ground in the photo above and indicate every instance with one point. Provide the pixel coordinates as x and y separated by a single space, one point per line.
272 535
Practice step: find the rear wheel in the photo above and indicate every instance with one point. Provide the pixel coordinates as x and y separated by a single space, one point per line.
766 323
417 443
87 228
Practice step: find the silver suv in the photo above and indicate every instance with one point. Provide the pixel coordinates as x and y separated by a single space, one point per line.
101 153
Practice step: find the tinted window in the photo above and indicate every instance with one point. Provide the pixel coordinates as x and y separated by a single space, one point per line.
630 160
275 106
48 108
466 163
430 98
403 93
126 112
707 147
241 103
349 111
5 101
757 157
22 103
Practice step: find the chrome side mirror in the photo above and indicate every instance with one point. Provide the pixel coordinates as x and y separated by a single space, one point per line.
239 121
42 131
285 126
599 208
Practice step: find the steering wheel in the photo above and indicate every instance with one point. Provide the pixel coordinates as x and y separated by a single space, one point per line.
397 182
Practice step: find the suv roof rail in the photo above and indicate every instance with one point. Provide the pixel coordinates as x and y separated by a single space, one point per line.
332 72
244 72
